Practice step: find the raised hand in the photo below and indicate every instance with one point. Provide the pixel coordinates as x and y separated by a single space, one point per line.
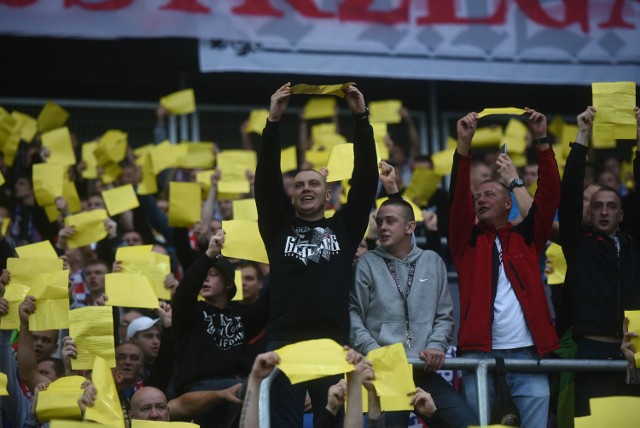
215 244
466 128
537 123
585 125
279 102
354 100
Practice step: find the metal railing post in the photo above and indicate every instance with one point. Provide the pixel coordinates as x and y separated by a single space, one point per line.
482 387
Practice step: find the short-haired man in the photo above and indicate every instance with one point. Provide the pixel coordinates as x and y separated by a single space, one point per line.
602 278
503 308
401 294
149 404
145 332
310 256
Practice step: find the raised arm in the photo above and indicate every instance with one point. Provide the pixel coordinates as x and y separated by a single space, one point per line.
262 367
508 176
269 191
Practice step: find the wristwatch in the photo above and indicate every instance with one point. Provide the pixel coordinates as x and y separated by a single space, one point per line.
516 182
542 140
362 115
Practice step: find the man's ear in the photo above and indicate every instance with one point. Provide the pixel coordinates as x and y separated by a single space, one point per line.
620 216
411 227
328 195
508 203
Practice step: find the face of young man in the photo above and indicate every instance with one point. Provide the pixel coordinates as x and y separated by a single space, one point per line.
309 194
45 343
129 361
94 278
393 226
605 212
149 343
47 369
149 404
214 285
251 284
492 203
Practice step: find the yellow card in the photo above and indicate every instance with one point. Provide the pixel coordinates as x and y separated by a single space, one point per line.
39 250
111 148
141 260
51 116
424 183
634 326
515 137
5 225
70 194
319 108
327 141
89 158
204 178
340 164
51 290
390 364
62 423
313 359
185 204
130 290
568 135
257 121
599 143
337 90
233 165
48 182
582 422
181 102
555 125
166 155
288 159
107 409
110 173
243 241
197 155
120 199
385 111
490 136
139 423
615 117
23 271
323 128
2 180
3 384
27 125
89 228
14 294
317 159
58 141
619 412
238 280
92 330
559 264
148 184
501 110
60 399
245 209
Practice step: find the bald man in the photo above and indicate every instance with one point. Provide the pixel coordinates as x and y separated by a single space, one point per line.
149 404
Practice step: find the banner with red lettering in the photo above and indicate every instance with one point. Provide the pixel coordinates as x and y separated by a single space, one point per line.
532 41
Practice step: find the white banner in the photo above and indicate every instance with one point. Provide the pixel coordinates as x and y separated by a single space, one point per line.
533 41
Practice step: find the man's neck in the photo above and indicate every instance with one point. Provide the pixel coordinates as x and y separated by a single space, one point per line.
218 302
400 251
311 217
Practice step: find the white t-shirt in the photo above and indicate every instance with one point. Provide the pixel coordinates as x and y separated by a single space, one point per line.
509 328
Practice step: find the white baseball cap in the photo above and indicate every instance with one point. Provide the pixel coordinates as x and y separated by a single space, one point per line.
141 324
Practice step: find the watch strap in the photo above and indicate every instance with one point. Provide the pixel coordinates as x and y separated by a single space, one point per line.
542 140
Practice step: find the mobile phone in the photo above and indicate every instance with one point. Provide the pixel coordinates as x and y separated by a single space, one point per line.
503 149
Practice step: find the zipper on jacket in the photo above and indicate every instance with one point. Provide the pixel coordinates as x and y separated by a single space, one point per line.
466 311
515 272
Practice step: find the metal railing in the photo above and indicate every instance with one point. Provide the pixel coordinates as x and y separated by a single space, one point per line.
482 368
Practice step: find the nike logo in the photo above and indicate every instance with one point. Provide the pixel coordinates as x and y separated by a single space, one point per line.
424 279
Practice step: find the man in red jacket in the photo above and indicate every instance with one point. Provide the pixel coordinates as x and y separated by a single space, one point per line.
503 309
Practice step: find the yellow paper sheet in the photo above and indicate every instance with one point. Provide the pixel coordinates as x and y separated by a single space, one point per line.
89 158
166 155
141 260
58 141
615 117
619 412
3 384
257 121
233 165
242 241
238 280
319 108
70 194
110 173
130 290
313 359
138 423
65 423
196 155
14 294
48 182
245 209
2 180
52 213
390 364
385 111
204 178
5 225
568 135
340 164
185 201
559 264
487 137
582 422
443 161
107 409
120 199
148 184
424 183
52 291
111 148
337 90
23 270
555 125
51 116
38 250
92 330
89 227
181 102
27 125
515 137
634 326
60 400
323 128
317 159
599 143
327 141
288 159
501 110
417 212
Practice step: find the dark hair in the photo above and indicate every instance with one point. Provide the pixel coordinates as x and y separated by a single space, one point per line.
254 265
407 208
58 365
98 262
607 189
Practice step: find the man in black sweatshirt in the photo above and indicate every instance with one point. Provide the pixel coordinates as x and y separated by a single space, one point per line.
310 255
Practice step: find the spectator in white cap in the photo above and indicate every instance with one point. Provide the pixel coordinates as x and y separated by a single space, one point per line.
146 333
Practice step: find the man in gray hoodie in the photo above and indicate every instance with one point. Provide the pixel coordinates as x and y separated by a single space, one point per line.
401 294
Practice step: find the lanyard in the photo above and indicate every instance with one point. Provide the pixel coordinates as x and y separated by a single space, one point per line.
405 295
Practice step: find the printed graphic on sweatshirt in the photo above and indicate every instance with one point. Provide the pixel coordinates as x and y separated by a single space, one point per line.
227 331
311 244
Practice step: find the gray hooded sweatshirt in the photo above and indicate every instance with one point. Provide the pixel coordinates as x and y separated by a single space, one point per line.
377 310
